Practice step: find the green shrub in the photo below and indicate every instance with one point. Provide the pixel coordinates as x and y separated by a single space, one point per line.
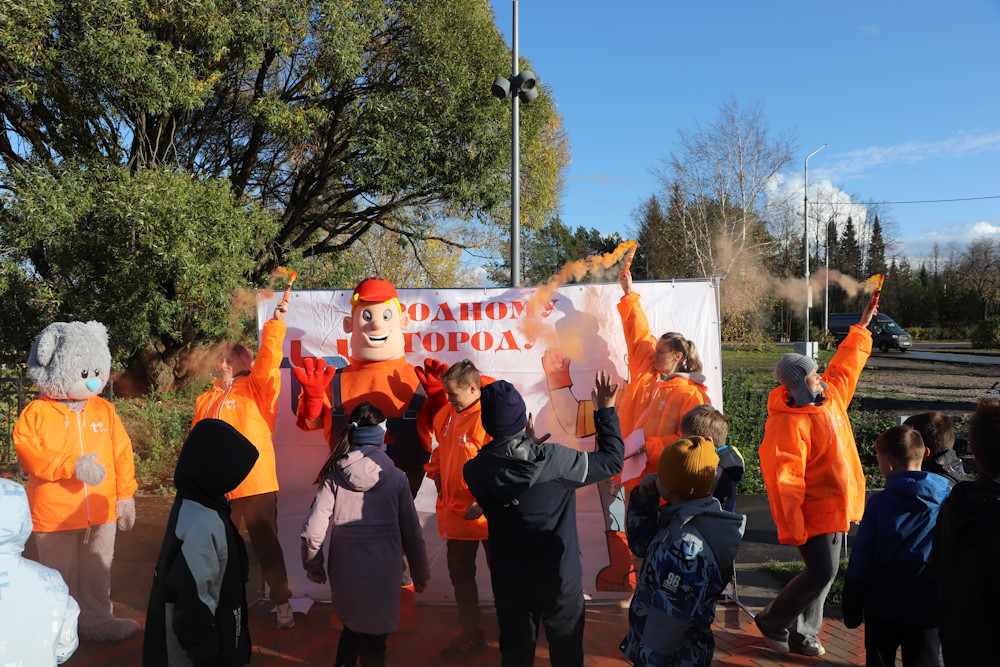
745 402
157 425
987 334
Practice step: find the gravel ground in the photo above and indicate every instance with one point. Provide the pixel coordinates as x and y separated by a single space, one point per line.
894 381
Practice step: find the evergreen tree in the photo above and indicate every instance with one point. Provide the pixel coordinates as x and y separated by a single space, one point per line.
875 261
850 251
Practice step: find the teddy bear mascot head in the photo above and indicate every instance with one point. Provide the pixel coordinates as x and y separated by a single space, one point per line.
81 475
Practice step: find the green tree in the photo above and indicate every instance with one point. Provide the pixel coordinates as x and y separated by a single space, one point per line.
875 260
660 236
545 251
155 255
333 117
850 251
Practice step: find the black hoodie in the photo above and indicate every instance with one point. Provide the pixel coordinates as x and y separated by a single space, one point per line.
197 609
966 545
528 494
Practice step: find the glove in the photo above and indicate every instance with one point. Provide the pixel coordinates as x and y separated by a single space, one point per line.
556 368
125 511
430 376
430 380
315 378
88 470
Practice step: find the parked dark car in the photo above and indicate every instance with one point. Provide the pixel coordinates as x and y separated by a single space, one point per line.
886 334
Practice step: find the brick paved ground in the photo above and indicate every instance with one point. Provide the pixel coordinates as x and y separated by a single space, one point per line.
313 642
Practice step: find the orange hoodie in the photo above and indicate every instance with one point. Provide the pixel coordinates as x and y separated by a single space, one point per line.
49 437
809 460
250 406
460 436
654 405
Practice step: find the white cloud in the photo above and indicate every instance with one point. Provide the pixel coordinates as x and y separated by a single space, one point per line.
945 235
869 29
854 164
825 200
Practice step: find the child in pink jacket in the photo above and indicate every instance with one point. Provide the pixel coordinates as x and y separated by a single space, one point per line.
366 547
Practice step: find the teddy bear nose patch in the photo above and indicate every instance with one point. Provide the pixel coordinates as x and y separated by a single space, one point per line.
92 385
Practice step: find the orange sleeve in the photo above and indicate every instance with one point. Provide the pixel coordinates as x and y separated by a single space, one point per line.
640 342
846 365
36 452
125 484
783 465
265 376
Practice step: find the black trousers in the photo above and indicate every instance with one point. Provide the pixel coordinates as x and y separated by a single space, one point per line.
354 645
519 612
462 570
921 646
260 513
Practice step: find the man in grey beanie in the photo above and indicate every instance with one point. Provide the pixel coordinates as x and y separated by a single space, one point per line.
813 505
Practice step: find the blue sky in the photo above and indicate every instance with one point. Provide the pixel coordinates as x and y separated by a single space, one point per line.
905 94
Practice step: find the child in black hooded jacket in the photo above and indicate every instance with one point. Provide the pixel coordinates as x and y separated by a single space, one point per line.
198 608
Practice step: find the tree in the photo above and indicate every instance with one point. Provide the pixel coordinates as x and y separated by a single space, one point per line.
875 260
850 251
150 253
545 251
333 117
659 235
722 172
980 272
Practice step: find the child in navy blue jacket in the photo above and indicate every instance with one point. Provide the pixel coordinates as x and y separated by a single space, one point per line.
890 583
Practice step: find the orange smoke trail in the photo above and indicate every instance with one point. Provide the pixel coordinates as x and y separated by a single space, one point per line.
598 268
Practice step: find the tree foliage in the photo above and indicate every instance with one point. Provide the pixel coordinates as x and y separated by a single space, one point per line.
333 117
545 251
148 253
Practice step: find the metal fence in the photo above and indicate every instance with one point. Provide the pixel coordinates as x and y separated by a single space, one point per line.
16 391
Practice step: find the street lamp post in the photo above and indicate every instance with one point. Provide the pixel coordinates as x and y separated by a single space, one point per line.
805 244
519 87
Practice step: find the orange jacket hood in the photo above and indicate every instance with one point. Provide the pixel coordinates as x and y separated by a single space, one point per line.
809 459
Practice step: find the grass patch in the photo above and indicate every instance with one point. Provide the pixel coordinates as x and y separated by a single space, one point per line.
785 572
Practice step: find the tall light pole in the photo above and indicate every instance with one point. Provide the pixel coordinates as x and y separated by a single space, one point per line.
805 242
522 85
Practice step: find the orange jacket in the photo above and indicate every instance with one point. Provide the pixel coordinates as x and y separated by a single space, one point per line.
808 458
655 405
49 437
460 436
250 406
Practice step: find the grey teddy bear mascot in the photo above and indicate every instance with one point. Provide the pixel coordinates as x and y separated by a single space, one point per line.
81 474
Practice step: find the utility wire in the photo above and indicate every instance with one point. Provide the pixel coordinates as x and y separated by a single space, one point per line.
916 201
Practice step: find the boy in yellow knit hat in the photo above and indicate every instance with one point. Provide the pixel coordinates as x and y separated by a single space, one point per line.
689 546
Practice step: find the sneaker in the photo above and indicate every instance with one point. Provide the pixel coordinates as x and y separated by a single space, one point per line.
777 645
286 617
464 646
811 647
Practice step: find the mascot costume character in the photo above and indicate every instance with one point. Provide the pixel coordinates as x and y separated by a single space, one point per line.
81 474
379 373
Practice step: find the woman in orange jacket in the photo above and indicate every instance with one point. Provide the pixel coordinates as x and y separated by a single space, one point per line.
815 484
245 396
665 380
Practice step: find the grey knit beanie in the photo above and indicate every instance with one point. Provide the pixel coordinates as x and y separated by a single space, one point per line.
791 372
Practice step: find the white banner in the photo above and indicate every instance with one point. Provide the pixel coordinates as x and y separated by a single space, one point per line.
505 332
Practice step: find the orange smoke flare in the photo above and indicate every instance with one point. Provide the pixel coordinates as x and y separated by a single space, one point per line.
292 275
874 284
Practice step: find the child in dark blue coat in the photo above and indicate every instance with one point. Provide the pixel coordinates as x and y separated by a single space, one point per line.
890 583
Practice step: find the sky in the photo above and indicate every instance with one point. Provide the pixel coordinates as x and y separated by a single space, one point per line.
906 95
